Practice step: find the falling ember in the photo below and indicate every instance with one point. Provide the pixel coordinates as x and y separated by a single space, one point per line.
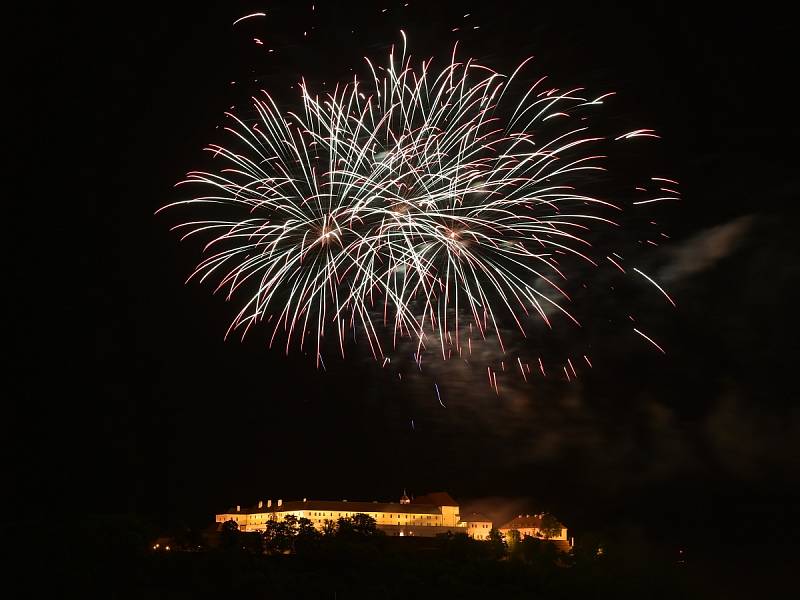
660 289
569 362
439 396
660 349
615 263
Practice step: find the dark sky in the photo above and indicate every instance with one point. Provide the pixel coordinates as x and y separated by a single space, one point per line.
128 399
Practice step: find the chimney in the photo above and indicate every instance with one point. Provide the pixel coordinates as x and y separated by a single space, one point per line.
269 503
280 502
260 504
238 508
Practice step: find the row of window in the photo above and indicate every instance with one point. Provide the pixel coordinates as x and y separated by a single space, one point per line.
376 515
331 514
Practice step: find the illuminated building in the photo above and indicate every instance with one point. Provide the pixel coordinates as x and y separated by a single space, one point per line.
425 516
478 525
528 525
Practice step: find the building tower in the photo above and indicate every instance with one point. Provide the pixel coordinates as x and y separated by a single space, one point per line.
404 499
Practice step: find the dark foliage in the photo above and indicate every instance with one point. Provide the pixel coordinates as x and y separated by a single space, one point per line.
118 559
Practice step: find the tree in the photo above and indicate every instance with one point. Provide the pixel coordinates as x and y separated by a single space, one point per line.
291 523
497 543
344 527
305 528
285 535
550 526
229 535
307 537
512 541
278 535
329 528
358 526
364 525
538 553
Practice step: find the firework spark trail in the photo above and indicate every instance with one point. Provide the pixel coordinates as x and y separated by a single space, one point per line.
250 16
438 395
432 198
649 339
660 289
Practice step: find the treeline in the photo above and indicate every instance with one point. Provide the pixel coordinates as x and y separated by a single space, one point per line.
350 558
292 534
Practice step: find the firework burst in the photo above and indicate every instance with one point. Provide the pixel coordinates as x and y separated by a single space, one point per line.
436 206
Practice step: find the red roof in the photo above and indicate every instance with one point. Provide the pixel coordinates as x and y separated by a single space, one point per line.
427 504
525 522
435 499
475 517
342 506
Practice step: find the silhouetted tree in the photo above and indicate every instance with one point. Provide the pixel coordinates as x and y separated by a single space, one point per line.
541 554
307 537
364 525
229 535
358 526
279 535
305 528
497 543
512 541
550 526
344 527
329 528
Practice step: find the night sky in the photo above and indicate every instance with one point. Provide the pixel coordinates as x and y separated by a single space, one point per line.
127 399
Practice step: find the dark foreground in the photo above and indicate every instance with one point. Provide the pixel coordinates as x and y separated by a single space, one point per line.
112 560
